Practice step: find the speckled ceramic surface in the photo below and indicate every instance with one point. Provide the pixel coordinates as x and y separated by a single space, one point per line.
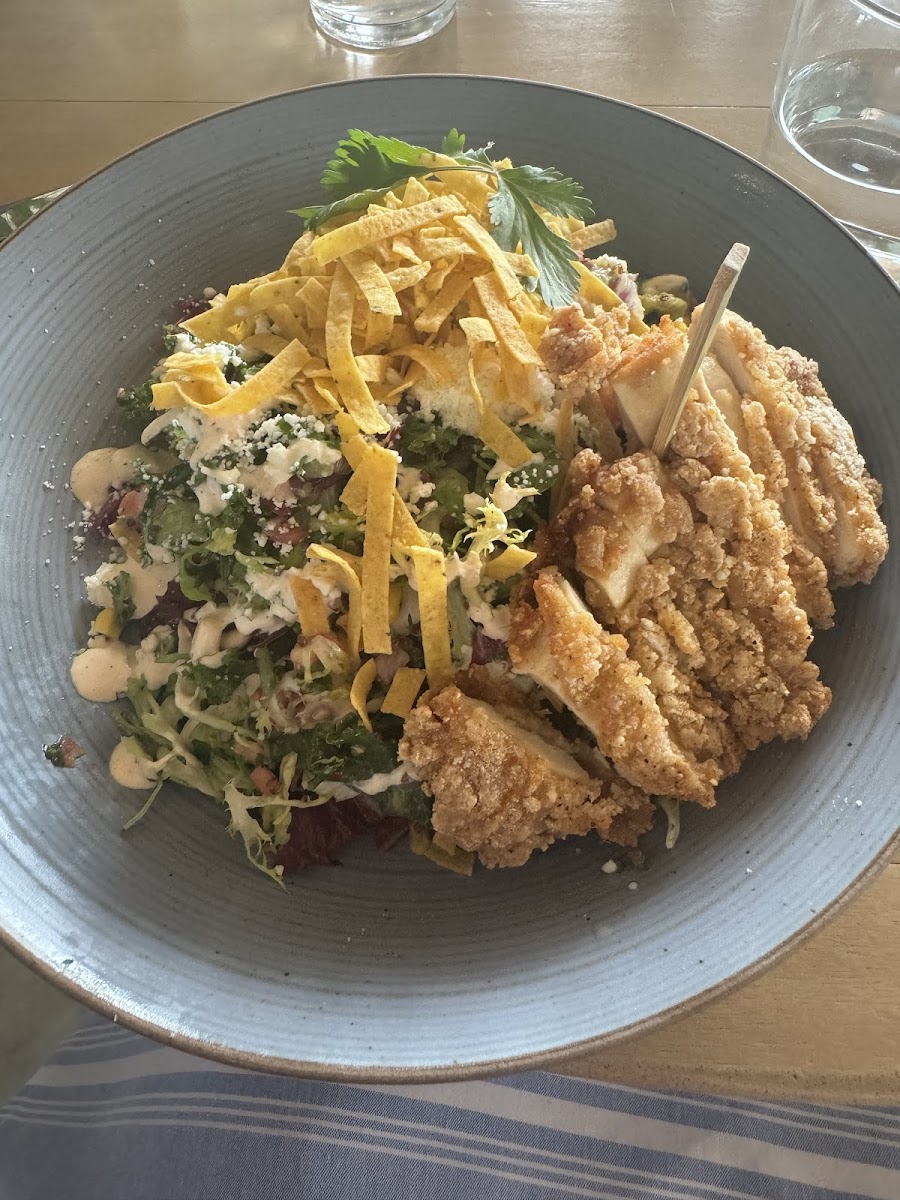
387 967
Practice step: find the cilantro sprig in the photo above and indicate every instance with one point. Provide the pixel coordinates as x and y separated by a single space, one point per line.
366 166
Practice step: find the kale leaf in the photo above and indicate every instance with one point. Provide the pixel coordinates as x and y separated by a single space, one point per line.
122 598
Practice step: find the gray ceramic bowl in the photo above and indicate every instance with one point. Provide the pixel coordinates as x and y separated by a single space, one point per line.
387 967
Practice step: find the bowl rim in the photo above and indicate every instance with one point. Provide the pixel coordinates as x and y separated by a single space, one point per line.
553 1056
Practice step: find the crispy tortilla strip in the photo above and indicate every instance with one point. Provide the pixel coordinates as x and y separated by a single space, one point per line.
354 560
437 246
214 324
274 291
265 343
314 295
380 226
533 326
270 381
292 264
359 690
169 395
505 325
325 389
401 696
477 330
521 264
432 361
494 432
288 323
356 491
348 431
593 235
454 289
406 532
379 328
373 367
482 241
498 436
381 468
415 192
431 581
512 561
372 282
350 580
354 391
311 609
402 247
298 255
402 278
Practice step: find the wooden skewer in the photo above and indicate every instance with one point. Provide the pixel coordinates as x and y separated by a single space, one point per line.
700 338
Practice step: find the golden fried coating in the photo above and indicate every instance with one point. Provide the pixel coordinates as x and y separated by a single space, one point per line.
505 783
806 448
711 614
558 643
579 351
642 382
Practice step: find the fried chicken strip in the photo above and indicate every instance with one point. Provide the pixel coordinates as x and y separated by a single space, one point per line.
797 437
642 383
505 783
558 643
712 617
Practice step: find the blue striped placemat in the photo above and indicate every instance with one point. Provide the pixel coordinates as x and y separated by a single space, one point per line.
115 1116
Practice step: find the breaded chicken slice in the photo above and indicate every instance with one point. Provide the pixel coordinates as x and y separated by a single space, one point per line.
580 351
556 640
711 615
504 782
797 436
642 383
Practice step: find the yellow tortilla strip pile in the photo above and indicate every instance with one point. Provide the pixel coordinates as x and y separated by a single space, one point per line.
355 314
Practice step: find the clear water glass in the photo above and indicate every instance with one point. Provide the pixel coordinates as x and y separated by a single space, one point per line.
837 101
375 25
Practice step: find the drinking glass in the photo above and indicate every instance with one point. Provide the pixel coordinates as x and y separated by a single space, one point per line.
375 25
837 101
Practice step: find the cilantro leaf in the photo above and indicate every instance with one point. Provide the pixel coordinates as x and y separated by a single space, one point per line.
373 164
363 158
517 222
550 189
377 163
371 159
123 601
315 215
454 143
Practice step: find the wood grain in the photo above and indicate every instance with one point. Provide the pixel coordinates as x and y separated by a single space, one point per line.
719 52
820 1025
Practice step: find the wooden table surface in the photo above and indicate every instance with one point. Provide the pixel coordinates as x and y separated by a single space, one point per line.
82 81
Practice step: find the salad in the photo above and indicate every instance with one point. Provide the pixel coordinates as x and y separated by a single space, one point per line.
343 473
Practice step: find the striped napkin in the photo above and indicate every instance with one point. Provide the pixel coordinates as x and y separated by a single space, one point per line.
115 1116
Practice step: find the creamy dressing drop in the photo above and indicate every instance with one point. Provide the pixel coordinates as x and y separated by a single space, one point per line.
148 583
102 673
129 770
99 470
